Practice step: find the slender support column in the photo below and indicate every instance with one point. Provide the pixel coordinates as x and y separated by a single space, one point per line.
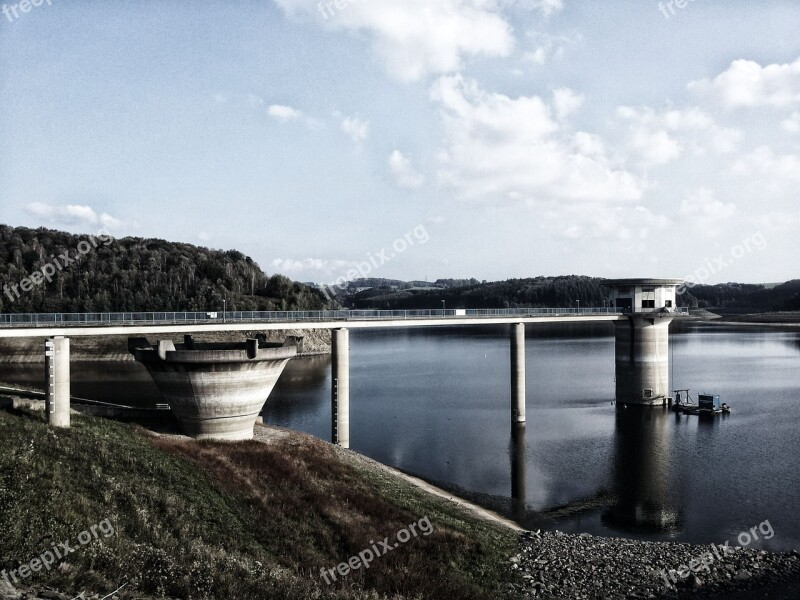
57 383
340 388
518 373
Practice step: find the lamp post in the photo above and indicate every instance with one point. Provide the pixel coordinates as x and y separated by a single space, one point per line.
224 308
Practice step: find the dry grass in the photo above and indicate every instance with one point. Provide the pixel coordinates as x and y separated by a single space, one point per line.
245 520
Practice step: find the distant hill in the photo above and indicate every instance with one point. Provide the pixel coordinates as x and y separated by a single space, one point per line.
739 297
80 273
42 270
560 291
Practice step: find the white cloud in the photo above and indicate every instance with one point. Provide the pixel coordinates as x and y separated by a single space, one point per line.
73 215
660 137
597 221
547 47
330 269
747 84
792 124
565 102
705 211
357 129
287 114
655 147
403 172
779 222
548 7
110 222
589 144
415 38
774 167
498 149
283 113
537 56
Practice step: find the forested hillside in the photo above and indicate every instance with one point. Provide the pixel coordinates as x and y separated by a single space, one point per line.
566 291
98 274
752 298
42 270
563 291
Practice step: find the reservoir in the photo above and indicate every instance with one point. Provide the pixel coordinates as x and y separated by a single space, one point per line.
435 403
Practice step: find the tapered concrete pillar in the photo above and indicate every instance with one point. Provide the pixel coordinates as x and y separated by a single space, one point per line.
340 388
57 384
216 391
518 373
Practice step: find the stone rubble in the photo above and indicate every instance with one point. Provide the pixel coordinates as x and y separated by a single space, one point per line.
585 567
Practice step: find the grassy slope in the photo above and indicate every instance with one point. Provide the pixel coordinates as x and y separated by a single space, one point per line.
244 520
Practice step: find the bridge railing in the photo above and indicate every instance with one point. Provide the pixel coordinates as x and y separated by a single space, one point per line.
212 317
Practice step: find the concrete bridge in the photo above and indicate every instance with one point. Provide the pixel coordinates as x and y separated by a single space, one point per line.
642 319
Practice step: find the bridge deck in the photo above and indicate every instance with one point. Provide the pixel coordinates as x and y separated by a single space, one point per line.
97 324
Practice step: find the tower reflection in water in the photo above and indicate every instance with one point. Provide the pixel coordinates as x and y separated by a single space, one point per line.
642 474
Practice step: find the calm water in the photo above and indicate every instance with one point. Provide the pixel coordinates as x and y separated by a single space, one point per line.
436 403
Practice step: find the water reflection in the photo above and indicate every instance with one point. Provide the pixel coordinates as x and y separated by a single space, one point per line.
517 456
642 454
123 382
301 398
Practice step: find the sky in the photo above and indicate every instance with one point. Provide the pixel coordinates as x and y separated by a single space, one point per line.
414 139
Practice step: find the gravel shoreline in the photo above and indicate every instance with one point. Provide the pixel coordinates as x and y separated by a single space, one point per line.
577 567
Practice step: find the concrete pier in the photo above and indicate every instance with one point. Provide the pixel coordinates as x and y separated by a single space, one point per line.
57 384
216 391
642 360
340 388
517 373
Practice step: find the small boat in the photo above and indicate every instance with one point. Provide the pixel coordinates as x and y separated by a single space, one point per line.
707 404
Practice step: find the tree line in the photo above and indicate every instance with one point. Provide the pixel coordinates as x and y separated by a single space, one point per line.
136 275
570 291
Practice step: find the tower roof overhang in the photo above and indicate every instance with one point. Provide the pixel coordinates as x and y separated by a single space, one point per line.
642 281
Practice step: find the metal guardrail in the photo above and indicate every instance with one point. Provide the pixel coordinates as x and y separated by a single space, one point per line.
210 317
